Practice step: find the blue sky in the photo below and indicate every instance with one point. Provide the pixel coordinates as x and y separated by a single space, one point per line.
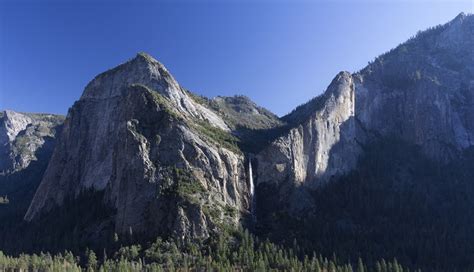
279 53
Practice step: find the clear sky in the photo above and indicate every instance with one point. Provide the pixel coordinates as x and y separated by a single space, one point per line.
279 53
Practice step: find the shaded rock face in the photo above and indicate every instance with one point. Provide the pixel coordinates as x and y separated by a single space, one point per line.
26 143
137 136
22 135
320 145
423 91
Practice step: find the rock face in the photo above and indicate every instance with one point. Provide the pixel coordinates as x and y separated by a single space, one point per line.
240 112
320 146
27 141
422 91
167 164
22 135
143 69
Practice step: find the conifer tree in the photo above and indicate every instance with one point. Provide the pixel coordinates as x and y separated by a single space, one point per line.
360 266
91 260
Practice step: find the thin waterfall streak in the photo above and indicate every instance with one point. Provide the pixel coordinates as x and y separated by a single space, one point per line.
252 192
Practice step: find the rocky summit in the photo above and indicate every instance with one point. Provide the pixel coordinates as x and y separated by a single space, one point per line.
380 151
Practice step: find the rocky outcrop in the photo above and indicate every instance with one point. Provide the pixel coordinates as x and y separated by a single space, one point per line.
167 164
22 135
240 112
319 147
252 125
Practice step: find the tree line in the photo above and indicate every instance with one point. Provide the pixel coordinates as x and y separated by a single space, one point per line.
235 250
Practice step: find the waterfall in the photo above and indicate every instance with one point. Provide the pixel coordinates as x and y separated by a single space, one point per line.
253 201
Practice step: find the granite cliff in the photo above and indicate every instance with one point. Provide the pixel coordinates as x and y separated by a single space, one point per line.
167 164
421 92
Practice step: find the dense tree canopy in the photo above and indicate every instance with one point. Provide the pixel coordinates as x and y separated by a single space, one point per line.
235 250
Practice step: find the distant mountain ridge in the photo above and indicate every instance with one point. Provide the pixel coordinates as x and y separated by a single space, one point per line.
21 135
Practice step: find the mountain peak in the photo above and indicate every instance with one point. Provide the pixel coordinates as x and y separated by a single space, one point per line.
463 16
341 83
145 70
9 113
460 19
11 124
142 69
460 16
146 56
342 77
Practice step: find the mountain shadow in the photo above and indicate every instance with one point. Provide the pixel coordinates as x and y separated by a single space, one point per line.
397 203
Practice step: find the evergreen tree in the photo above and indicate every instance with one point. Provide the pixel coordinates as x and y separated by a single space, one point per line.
91 260
360 266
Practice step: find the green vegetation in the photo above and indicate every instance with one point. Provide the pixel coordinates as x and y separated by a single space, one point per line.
240 112
4 200
213 212
62 228
22 144
253 126
187 190
160 100
397 203
230 211
43 262
302 112
184 184
236 250
198 98
219 136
